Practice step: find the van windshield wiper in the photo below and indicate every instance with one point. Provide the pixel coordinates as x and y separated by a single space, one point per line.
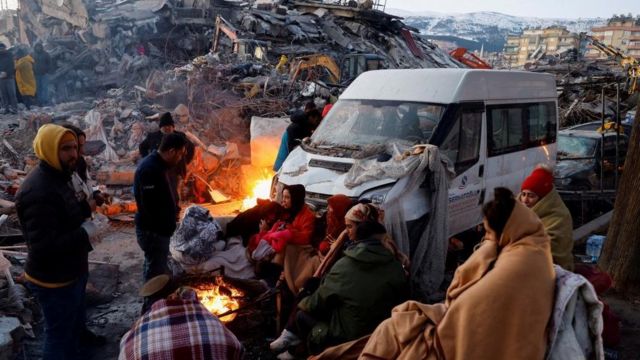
336 146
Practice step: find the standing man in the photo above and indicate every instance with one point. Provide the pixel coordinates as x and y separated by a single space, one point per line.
152 142
25 78
42 68
58 231
8 81
158 207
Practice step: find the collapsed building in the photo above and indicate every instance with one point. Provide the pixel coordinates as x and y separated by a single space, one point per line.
214 64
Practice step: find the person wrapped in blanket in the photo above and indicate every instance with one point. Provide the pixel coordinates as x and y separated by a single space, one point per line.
295 227
498 305
179 328
355 295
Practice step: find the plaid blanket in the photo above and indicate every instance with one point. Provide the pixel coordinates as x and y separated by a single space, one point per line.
179 330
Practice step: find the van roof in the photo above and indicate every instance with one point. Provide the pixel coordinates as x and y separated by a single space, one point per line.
445 86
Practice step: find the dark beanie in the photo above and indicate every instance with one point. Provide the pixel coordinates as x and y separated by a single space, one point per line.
166 120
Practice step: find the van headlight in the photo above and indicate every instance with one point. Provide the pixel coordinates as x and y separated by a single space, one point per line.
376 196
563 182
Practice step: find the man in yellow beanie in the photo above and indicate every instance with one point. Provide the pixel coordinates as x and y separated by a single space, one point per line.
59 233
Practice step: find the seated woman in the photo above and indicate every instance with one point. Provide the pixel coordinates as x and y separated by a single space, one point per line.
337 207
357 293
301 261
539 195
362 212
296 228
497 307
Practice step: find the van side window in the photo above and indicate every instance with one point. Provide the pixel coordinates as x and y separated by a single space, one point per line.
516 127
541 122
462 144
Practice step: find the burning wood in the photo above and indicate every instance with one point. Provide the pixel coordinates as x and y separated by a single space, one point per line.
220 298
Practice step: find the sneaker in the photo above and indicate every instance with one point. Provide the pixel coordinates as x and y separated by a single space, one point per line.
284 341
285 356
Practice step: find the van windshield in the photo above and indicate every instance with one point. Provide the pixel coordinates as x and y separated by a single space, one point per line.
352 124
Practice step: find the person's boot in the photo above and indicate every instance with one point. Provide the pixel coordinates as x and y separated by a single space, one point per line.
284 341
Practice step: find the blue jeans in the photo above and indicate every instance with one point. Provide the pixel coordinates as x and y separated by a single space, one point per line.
156 252
42 89
64 317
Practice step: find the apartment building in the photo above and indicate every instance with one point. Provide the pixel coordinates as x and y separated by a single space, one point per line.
622 34
533 43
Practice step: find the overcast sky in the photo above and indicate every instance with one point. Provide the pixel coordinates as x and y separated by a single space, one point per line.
535 8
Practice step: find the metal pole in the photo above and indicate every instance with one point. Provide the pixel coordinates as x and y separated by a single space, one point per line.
617 134
602 146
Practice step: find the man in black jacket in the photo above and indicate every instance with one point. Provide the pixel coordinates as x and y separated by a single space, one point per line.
42 68
57 228
157 202
8 81
152 142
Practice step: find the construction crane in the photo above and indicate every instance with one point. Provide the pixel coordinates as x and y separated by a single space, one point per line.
469 59
629 63
223 26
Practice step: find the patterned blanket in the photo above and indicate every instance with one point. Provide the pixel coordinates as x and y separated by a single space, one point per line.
179 330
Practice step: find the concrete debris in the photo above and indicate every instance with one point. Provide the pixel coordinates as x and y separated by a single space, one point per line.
580 88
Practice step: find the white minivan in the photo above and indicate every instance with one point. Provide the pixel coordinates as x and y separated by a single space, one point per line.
494 126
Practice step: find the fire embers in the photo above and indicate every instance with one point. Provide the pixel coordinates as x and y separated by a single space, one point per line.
220 298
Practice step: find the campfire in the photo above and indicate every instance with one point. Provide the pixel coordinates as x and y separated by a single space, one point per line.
220 298
260 189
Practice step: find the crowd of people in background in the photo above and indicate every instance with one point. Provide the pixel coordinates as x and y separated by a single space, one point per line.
24 77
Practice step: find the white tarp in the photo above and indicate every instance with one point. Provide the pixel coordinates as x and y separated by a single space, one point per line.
411 170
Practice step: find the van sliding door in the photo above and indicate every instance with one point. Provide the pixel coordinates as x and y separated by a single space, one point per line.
464 145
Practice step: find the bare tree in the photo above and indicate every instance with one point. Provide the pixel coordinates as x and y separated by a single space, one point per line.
621 253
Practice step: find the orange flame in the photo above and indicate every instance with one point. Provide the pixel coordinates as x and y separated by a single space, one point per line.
261 189
220 298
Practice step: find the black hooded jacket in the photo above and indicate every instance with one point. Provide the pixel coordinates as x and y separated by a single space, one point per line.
298 129
7 64
51 217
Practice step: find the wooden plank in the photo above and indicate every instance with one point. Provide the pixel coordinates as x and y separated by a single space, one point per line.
592 226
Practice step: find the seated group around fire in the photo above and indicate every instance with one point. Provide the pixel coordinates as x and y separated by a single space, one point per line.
344 285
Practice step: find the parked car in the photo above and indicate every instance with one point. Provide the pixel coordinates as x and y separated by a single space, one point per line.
595 125
579 159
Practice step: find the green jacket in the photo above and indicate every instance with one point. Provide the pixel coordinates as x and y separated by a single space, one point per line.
558 224
357 294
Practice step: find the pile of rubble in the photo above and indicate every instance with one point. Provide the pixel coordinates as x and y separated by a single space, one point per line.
143 57
581 84
104 44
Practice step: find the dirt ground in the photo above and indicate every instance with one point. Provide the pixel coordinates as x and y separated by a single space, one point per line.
114 318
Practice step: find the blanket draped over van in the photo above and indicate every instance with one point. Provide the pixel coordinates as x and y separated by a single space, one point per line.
497 307
423 162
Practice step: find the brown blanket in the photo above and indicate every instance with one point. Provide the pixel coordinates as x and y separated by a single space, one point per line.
497 306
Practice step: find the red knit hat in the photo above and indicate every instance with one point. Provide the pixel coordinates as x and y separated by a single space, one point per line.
540 182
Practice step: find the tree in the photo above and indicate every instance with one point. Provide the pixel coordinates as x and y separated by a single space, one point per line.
621 253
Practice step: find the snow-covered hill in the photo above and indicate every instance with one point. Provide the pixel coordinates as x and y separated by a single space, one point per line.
490 28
